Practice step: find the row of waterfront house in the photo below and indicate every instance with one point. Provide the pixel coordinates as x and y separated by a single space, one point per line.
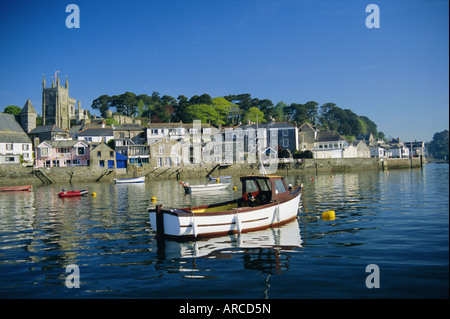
175 144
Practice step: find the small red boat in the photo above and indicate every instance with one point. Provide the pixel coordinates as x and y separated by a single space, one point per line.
15 188
65 193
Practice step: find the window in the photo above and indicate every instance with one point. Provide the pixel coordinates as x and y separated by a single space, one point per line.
25 147
102 163
285 143
9 147
279 186
63 150
44 151
250 186
99 154
167 161
161 149
80 151
159 161
111 154
264 185
285 132
176 161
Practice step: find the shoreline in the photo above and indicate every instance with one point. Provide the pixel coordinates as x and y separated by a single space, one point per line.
13 175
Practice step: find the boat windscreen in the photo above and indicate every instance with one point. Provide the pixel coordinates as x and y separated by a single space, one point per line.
250 186
264 185
279 186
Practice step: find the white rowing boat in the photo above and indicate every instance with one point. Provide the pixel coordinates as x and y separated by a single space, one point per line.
205 187
130 180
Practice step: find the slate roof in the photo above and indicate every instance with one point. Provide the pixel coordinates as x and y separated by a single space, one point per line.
11 131
277 125
129 127
96 131
28 108
329 136
47 128
63 143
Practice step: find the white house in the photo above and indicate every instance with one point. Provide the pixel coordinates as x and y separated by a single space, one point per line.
15 145
329 144
96 134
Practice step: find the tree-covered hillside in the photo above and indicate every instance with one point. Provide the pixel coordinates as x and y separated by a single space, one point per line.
232 109
438 148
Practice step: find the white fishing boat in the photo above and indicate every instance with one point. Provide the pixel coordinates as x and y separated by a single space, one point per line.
130 180
204 187
266 202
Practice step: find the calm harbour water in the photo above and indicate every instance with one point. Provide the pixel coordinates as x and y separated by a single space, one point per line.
397 221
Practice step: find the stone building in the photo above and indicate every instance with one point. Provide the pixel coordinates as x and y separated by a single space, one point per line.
101 155
28 117
58 107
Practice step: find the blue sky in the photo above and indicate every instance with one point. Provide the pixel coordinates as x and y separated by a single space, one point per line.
293 51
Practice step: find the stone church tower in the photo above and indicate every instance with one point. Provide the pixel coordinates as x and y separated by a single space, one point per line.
28 117
57 107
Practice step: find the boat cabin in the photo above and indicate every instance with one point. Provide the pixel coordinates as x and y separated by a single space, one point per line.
261 190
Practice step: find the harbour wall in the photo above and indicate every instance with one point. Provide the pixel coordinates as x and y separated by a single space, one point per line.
11 175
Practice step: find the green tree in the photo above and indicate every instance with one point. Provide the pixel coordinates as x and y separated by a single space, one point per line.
12 109
180 109
254 115
438 148
102 103
202 99
125 103
277 112
203 112
228 111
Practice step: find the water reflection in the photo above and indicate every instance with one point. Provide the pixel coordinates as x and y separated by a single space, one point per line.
264 250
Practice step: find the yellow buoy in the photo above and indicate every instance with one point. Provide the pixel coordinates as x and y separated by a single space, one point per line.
153 199
234 188
94 194
217 180
329 215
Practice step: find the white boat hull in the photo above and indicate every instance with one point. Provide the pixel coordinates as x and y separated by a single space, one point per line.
130 180
235 220
208 187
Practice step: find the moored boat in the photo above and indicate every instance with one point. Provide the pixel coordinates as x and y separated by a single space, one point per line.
16 188
205 187
130 180
65 193
212 178
266 202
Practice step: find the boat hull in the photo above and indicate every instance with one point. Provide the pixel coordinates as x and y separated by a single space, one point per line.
130 180
16 188
212 178
73 194
179 223
207 187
